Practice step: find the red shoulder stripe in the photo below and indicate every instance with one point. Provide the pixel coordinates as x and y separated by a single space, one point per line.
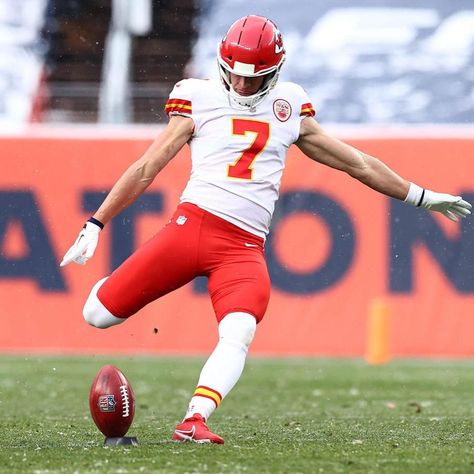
307 110
179 101
178 105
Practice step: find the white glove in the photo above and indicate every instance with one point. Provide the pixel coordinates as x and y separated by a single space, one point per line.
453 207
84 246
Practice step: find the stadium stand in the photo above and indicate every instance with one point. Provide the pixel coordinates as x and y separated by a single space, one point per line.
21 60
77 31
377 62
77 54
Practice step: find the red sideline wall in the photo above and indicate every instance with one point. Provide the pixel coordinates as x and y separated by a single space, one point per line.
43 182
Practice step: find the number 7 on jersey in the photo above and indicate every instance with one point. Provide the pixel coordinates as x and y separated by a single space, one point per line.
243 167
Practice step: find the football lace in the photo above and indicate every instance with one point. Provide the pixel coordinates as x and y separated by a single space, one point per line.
125 401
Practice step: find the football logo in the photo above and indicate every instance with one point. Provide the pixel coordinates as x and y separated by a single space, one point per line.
106 403
282 110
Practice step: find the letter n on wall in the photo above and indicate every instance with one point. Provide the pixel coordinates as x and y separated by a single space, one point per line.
410 228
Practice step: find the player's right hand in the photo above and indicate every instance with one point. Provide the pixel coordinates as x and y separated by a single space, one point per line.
84 246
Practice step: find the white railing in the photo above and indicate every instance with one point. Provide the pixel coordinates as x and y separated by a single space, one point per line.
129 17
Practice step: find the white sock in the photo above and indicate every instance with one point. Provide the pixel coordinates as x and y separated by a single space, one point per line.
225 365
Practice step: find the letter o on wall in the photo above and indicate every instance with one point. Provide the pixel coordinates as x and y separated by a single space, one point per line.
341 251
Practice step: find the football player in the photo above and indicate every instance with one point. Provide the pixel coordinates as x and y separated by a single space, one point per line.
239 132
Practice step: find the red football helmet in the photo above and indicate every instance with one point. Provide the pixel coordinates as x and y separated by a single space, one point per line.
252 47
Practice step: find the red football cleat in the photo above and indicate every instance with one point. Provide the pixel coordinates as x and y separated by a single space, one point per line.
195 429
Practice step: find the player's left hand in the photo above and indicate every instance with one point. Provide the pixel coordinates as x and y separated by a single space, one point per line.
453 207
84 246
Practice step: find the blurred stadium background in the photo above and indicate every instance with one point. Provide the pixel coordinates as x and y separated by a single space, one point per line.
379 61
82 89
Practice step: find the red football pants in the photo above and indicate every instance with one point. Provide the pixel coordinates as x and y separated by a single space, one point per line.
193 243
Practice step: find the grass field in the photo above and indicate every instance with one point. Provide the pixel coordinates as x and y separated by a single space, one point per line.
285 416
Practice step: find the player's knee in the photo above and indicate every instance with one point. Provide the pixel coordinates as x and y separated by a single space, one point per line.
238 328
95 313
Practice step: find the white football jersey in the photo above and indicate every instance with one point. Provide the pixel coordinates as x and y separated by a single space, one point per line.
238 155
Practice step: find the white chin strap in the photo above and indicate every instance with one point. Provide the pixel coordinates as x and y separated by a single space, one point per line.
247 101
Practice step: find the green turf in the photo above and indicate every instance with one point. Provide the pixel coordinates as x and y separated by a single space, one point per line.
285 416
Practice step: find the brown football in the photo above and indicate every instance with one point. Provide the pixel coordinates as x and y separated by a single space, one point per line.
111 402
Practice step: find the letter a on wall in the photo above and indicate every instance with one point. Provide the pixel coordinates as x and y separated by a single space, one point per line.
34 258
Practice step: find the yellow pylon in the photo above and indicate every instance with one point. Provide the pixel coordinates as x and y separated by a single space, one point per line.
378 332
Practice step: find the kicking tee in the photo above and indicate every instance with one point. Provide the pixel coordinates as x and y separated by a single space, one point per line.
238 155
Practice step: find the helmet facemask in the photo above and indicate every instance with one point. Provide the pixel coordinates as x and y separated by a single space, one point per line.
248 101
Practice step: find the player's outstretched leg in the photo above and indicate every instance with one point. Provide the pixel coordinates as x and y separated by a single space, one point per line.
218 376
95 313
